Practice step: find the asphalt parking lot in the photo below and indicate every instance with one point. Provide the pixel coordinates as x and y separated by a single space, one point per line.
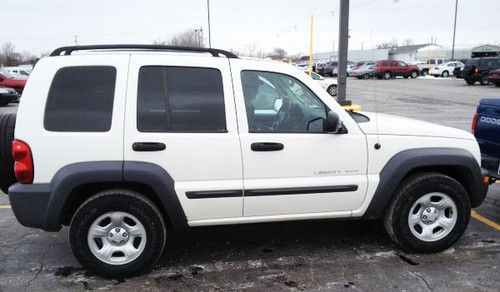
308 255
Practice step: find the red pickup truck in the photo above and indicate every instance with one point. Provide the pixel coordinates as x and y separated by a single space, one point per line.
391 68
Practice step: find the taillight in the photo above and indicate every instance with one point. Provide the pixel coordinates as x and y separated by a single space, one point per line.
23 162
476 70
474 124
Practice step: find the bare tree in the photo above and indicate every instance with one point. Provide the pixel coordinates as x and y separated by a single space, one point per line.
408 42
280 52
388 45
187 38
9 56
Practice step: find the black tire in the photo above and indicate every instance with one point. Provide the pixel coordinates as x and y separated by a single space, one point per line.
413 188
424 72
366 76
484 81
414 74
332 90
112 201
470 81
4 103
387 75
7 177
497 84
445 74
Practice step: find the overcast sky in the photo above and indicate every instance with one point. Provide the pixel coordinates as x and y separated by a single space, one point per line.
40 26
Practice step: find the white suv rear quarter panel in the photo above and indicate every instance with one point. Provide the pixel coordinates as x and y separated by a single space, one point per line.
54 150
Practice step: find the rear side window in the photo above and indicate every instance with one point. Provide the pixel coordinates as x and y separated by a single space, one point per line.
180 99
81 99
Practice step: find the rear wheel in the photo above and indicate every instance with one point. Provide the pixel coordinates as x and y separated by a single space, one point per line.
366 76
484 81
497 84
387 75
429 213
332 90
445 74
7 177
470 81
117 233
425 72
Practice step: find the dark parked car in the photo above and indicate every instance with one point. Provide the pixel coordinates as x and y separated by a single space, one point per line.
8 95
486 129
390 68
328 68
477 69
457 72
494 77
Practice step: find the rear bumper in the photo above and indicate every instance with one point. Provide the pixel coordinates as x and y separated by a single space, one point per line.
29 204
491 166
7 97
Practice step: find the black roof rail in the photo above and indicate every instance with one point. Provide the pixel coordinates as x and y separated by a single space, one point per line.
68 50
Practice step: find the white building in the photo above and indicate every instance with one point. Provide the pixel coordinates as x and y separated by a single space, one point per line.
421 52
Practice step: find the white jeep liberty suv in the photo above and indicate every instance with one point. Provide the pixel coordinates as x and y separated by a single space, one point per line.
119 141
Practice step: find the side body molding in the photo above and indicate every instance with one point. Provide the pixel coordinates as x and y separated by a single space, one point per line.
402 163
73 175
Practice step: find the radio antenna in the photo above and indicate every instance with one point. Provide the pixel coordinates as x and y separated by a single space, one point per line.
375 92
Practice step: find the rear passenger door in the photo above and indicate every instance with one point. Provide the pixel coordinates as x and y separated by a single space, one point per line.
184 103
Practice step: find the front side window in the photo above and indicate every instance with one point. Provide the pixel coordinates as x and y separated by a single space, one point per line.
81 99
278 103
180 99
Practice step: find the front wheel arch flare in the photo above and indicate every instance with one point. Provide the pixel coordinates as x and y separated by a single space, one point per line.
441 160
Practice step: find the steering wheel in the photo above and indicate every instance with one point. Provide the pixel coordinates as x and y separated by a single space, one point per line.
282 115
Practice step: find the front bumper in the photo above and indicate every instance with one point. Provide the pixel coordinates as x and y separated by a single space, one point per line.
29 204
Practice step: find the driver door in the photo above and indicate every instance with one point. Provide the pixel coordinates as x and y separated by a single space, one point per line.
291 168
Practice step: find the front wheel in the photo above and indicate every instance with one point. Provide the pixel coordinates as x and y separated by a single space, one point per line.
117 233
445 74
387 75
429 213
366 76
425 72
414 74
332 90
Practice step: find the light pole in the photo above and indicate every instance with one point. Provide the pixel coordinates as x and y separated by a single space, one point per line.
454 30
342 53
208 12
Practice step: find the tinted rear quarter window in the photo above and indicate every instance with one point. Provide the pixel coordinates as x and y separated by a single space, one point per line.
80 99
180 99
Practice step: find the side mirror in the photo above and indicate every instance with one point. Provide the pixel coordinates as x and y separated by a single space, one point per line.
333 124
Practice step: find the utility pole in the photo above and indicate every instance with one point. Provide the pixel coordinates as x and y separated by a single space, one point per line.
454 30
208 12
309 69
342 55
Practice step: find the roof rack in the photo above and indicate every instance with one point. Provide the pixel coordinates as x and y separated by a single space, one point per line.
68 50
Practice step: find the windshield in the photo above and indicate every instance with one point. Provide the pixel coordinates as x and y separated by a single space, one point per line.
6 74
